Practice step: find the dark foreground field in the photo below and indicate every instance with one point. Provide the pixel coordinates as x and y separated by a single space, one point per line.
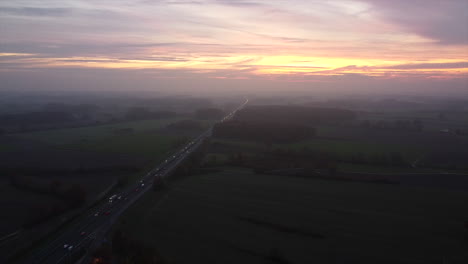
236 216
94 158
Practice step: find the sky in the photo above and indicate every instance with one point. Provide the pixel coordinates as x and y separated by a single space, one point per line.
193 45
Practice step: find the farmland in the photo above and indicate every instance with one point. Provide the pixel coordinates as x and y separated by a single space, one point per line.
349 143
93 133
348 147
92 157
236 216
344 193
301 185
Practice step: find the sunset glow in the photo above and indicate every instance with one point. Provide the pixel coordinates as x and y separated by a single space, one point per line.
240 39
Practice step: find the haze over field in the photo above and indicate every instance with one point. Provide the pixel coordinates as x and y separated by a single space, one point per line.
376 46
234 131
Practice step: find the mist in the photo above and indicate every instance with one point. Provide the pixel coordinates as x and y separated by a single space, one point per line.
187 83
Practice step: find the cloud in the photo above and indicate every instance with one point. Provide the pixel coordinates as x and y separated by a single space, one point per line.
409 66
34 11
239 3
451 65
442 21
290 40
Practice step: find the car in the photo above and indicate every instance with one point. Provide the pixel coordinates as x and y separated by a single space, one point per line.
96 214
70 247
65 246
136 189
112 198
82 233
107 213
142 185
120 197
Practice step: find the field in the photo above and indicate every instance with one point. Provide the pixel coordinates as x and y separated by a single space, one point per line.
340 147
349 147
94 133
348 142
350 167
432 120
16 208
25 202
144 144
108 152
91 147
235 216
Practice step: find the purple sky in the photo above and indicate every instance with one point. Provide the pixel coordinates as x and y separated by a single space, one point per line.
417 46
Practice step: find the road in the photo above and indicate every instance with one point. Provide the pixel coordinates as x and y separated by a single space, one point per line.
95 224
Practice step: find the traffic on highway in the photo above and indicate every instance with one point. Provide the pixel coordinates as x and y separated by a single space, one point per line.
93 227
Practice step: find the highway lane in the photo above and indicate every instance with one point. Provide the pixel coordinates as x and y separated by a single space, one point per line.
95 224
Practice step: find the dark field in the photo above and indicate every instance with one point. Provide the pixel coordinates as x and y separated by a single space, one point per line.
93 158
433 120
20 204
274 184
429 151
235 216
347 194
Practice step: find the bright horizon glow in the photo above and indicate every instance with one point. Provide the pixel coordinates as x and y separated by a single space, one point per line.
240 39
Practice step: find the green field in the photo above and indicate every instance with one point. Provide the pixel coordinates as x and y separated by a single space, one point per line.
336 146
83 134
348 147
235 216
6 147
145 138
149 145
240 144
350 167
432 121
324 131
99 147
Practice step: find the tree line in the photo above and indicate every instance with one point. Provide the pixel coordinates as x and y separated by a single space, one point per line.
143 113
294 114
263 131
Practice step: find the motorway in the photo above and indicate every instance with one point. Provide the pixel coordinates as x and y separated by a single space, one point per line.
95 225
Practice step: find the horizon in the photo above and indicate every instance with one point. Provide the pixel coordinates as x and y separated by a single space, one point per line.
323 47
